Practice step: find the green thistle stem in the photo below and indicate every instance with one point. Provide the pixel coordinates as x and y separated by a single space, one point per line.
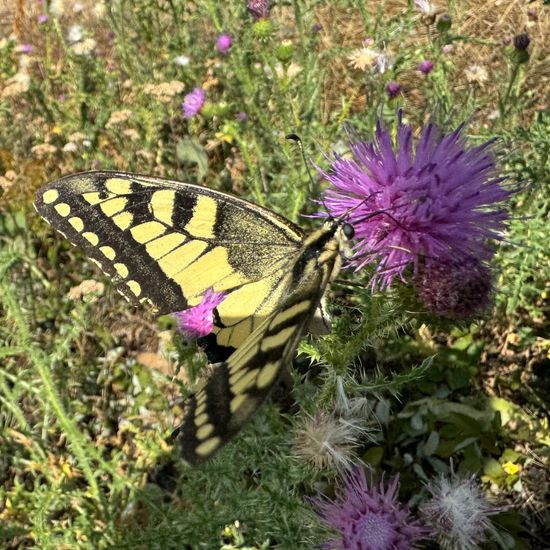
40 361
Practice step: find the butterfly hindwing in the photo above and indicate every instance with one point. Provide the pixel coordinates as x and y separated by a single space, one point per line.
235 389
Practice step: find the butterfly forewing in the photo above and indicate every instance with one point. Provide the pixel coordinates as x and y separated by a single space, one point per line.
167 242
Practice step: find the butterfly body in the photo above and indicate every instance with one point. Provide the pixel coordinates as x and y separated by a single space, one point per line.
166 243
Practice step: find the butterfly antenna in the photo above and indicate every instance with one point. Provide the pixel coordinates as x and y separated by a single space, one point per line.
313 184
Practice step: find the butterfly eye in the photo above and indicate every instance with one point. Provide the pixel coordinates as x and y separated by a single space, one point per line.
348 230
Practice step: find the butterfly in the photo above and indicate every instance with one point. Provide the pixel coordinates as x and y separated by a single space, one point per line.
166 243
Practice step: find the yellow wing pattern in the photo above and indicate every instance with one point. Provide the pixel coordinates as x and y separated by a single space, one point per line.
235 389
166 243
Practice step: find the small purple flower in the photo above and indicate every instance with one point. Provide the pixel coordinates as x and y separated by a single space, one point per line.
369 518
393 89
425 66
224 43
42 18
259 9
437 201
316 27
193 102
24 48
241 116
198 321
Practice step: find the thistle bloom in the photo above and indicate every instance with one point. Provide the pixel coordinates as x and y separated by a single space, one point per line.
193 102
369 518
42 18
438 201
458 513
425 66
198 321
393 89
224 43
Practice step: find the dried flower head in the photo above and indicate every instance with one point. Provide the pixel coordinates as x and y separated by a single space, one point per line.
458 513
363 58
164 91
384 62
476 74
119 117
193 102
84 47
329 439
88 288
438 201
182 60
75 34
456 290
18 84
325 441
44 150
426 7
369 518
259 9
198 321
70 147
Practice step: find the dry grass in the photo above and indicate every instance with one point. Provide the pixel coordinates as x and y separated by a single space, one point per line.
490 24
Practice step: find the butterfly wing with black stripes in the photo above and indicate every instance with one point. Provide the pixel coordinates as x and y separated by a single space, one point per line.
166 242
232 393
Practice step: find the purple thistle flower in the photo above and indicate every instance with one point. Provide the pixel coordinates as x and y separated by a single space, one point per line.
198 321
393 89
437 201
259 9
369 518
42 18
456 290
425 66
193 102
224 43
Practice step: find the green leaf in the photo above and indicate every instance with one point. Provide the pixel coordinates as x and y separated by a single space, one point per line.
189 150
373 456
431 444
